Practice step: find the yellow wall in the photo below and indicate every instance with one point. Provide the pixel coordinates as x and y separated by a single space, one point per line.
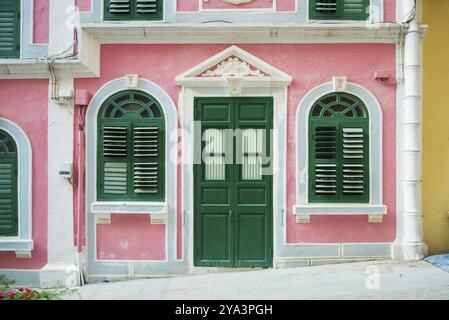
436 126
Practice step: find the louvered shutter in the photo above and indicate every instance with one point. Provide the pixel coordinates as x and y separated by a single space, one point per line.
8 196
147 161
324 161
339 9
339 162
325 9
355 9
114 162
133 9
148 9
118 9
354 162
9 29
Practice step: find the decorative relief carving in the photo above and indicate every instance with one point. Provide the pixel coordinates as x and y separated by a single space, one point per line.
233 66
237 2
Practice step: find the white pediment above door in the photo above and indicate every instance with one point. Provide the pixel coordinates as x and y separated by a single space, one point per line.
234 68
237 2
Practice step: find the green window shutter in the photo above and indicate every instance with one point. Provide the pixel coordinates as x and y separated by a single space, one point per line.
133 10
118 9
355 9
324 9
131 142
339 150
114 160
324 162
338 9
9 29
8 186
147 161
354 162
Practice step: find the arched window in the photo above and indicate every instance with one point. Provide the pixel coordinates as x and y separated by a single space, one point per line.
131 148
339 150
8 186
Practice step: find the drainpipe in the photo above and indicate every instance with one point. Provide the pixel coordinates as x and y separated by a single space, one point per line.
410 243
82 99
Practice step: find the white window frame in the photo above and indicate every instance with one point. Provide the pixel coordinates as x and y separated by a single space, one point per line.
374 208
22 244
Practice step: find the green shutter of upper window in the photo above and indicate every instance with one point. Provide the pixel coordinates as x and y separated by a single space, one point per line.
8 186
339 150
339 9
131 148
9 29
133 10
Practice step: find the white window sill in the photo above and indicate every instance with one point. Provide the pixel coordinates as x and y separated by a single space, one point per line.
22 248
374 212
102 210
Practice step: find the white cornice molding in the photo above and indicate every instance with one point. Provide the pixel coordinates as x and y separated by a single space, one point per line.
145 33
91 36
87 64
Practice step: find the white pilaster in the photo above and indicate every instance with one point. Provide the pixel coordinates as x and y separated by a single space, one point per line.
409 244
61 267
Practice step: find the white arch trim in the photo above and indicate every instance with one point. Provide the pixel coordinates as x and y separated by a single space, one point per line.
303 209
100 211
23 243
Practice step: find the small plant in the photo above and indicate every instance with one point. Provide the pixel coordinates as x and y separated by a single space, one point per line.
30 294
6 293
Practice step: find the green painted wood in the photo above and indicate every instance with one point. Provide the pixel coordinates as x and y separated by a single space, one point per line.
9 29
233 214
339 150
131 148
8 186
133 10
339 9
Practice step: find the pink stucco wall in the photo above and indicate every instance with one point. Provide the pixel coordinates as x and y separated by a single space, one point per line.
130 237
389 10
84 5
310 66
186 5
41 21
25 102
286 5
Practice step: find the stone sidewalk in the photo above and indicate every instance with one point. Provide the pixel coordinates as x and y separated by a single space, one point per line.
361 280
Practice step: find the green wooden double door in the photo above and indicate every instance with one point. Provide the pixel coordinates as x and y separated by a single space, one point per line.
233 182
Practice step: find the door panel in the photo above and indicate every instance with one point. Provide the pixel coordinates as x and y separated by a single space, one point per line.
215 240
233 183
253 180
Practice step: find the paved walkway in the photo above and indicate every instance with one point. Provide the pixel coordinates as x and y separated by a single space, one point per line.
361 280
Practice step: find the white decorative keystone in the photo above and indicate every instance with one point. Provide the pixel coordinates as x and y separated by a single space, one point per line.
131 80
340 84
